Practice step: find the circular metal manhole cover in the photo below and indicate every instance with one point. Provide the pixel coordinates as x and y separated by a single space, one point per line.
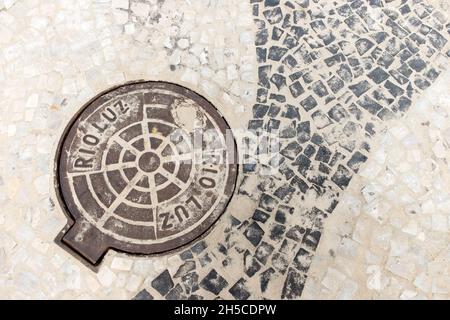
144 168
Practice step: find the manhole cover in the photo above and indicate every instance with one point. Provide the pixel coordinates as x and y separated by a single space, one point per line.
144 168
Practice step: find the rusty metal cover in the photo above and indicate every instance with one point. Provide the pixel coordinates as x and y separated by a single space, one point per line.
143 168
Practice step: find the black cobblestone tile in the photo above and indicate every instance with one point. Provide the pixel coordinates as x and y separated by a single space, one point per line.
213 282
163 283
239 290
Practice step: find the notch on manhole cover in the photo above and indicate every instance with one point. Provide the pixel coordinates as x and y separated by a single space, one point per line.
144 168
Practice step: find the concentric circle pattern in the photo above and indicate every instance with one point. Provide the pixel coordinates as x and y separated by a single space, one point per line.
144 168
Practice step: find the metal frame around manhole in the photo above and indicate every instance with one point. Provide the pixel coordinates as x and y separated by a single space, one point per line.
80 236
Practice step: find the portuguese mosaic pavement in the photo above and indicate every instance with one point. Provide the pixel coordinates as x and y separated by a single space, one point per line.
321 90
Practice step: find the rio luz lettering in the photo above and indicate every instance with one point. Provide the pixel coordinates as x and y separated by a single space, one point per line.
181 212
90 140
